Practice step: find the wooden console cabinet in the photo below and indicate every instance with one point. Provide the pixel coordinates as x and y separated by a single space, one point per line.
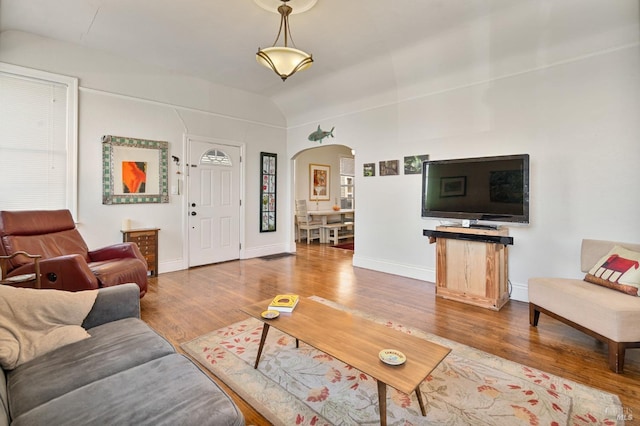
147 241
472 265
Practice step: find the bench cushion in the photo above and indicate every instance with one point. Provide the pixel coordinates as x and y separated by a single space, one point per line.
612 314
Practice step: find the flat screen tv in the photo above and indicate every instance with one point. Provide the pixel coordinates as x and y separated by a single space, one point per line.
494 189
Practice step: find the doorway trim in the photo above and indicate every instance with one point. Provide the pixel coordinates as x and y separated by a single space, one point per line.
188 137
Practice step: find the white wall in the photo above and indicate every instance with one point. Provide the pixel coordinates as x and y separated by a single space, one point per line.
124 98
573 105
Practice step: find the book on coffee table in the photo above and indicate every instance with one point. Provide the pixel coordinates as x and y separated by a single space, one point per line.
284 302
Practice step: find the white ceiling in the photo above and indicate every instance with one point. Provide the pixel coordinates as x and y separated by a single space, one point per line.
398 39
217 40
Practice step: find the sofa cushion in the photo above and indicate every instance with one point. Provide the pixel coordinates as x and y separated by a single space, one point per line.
619 270
168 391
609 313
113 304
113 347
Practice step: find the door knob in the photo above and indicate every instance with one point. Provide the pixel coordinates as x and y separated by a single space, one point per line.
193 204
193 213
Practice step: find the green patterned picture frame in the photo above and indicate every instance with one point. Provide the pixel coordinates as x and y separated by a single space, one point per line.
134 170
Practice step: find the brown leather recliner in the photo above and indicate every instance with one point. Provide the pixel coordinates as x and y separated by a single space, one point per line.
67 263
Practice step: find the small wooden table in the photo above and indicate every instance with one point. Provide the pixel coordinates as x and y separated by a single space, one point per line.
147 241
357 342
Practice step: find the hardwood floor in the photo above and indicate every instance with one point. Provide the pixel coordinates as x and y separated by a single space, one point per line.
183 305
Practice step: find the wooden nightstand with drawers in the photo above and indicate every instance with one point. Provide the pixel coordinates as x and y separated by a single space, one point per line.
147 241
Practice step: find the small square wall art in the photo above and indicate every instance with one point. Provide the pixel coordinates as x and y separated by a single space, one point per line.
389 168
369 169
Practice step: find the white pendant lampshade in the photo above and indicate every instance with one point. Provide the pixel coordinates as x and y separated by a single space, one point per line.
285 61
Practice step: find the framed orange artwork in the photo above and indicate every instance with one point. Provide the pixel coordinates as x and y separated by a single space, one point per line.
134 170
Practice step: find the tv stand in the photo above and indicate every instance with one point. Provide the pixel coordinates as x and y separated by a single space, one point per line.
472 265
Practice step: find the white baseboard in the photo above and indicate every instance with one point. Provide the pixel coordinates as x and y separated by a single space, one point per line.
519 292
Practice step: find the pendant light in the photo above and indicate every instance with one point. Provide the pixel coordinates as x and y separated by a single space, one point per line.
284 60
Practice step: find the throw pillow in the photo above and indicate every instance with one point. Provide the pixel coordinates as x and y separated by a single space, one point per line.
34 322
618 270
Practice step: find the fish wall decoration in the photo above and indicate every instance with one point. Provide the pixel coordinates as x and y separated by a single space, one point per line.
320 134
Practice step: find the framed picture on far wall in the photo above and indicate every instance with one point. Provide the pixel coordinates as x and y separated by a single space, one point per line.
319 182
369 169
413 164
389 168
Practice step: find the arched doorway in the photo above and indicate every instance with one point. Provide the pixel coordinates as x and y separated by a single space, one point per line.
338 162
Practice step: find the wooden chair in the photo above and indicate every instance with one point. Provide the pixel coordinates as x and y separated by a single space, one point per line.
23 280
305 223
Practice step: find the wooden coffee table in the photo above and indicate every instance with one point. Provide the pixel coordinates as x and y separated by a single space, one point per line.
357 342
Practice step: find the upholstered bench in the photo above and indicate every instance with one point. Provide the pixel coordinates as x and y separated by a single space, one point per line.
608 315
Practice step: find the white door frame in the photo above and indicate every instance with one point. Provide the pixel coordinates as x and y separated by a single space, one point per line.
188 137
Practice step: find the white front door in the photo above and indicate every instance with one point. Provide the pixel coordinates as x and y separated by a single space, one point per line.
214 202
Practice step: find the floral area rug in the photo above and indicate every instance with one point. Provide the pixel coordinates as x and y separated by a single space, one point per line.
304 386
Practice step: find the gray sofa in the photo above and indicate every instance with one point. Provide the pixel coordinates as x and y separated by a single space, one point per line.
124 374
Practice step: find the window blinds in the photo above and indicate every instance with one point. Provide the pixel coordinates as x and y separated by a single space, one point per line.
33 144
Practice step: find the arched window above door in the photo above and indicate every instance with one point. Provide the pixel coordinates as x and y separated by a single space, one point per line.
215 157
